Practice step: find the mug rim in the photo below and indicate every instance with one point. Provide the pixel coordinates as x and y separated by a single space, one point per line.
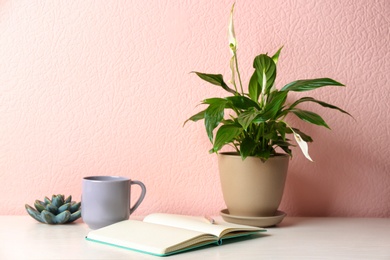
105 178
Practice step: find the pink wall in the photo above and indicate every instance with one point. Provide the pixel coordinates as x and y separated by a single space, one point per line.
92 88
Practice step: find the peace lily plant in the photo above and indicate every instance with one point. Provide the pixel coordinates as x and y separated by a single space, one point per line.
256 125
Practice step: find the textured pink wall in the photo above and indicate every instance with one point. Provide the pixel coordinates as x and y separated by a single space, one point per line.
104 87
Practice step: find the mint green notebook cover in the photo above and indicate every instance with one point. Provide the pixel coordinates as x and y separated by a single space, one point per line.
217 242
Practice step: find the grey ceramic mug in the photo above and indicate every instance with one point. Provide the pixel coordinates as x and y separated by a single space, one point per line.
106 200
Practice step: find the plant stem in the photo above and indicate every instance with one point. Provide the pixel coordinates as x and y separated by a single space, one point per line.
262 136
238 72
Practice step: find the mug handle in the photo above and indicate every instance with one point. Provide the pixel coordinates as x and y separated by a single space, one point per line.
141 197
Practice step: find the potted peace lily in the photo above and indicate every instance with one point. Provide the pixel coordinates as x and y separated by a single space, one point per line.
253 122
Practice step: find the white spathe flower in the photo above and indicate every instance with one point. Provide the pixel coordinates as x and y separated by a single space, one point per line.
303 145
231 33
232 68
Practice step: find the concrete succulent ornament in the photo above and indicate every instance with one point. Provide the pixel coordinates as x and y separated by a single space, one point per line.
58 210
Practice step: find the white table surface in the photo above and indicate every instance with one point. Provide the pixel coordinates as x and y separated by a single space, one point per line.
21 237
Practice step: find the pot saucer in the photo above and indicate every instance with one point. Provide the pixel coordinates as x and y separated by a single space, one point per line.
253 221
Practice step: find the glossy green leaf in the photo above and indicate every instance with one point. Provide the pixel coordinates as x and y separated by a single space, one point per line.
246 118
264 154
281 128
219 101
242 102
260 118
265 69
212 117
310 117
196 117
304 136
275 57
310 99
215 79
225 134
284 145
255 123
286 149
247 147
277 99
211 101
254 87
310 84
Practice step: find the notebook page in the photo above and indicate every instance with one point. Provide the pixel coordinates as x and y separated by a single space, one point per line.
142 236
195 223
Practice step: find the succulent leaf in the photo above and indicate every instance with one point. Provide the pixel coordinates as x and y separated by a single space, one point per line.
62 218
51 208
64 207
47 200
48 217
74 216
68 199
75 206
55 211
33 213
39 205
57 200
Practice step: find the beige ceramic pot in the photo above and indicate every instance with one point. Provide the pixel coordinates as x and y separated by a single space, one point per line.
252 187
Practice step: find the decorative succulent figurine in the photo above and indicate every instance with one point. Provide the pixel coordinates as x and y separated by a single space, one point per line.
58 210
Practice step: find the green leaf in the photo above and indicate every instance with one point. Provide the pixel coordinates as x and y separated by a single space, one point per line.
216 101
247 147
310 84
281 128
215 79
254 87
310 117
211 101
286 149
275 57
196 117
284 145
275 104
304 136
310 99
226 134
266 72
246 118
212 117
230 122
264 154
242 102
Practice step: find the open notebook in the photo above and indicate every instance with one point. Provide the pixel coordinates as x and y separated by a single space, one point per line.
166 234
